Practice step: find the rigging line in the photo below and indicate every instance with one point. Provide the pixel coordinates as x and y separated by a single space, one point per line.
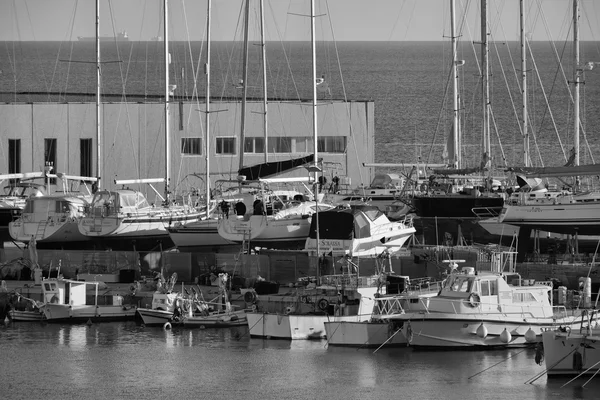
123 92
345 95
499 362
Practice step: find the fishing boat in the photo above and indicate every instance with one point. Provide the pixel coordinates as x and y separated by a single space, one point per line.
67 300
25 309
403 294
488 309
357 231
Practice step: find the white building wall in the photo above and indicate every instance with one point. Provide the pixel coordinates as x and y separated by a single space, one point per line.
133 137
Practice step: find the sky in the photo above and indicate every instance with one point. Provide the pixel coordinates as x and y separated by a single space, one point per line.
339 20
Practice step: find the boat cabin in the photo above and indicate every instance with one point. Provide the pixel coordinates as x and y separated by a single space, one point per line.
68 292
467 292
124 201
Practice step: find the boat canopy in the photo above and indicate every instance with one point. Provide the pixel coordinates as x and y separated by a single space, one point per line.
386 181
267 169
345 223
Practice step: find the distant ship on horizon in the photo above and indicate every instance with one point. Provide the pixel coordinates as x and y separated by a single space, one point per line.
121 37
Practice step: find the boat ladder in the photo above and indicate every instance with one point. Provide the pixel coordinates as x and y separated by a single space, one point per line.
246 242
41 229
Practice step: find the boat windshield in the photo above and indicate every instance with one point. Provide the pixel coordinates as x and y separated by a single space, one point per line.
460 283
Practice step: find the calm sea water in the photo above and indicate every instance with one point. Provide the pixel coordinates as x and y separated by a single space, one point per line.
408 81
126 360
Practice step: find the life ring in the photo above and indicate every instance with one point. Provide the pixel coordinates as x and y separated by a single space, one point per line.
167 326
54 299
250 296
323 304
474 300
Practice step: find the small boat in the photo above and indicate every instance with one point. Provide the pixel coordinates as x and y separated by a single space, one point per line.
67 300
413 295
170 308
570 351
358 231
25 309
488 309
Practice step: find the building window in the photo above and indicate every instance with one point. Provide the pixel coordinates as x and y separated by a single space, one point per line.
50 157
85 157
191 146
280 145
254 145
304 145
225 145
332 144
14 156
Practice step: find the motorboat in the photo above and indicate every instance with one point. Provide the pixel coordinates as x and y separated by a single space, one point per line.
407 295
357 230
488 309
12 200
67 300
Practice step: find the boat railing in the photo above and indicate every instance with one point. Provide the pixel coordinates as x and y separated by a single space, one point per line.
468 306
388 306
424 285
349 280
486 212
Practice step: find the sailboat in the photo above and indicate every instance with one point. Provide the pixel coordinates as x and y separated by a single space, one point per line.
452 193
12 201
124 218
575 212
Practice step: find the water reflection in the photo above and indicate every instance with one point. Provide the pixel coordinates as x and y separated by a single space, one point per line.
128 360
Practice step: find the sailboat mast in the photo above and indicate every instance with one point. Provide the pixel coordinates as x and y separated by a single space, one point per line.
314 107
485 79
455 120
264 62
576 81
99 166
524 85
167 132
244 86
207 100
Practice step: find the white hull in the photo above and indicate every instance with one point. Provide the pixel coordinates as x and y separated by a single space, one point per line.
363 334
46 232
477 330
294 327
394 238
571 353
83 313
131 227
154 317
559 217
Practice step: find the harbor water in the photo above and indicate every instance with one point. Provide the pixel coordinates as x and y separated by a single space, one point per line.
128 360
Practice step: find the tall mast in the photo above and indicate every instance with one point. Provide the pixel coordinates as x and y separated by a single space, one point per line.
99 167
524 86
244 86
455 120
207 100
314 107
576 81
264 61
167 132
485 79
